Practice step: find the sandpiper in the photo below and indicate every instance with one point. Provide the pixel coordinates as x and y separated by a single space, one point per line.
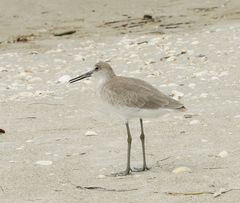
131 98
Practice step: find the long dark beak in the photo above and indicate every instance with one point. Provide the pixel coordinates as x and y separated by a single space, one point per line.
86 75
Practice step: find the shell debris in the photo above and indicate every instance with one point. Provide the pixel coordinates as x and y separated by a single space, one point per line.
91 133
182 169
194 122
177 95
63 79
223 154
44 162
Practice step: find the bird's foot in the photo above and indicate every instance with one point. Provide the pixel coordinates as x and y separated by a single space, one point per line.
144 168
123 173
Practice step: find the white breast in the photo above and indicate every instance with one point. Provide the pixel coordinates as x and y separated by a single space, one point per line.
127 113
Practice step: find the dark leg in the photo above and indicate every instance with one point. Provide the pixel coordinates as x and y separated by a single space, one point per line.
129 140
142 137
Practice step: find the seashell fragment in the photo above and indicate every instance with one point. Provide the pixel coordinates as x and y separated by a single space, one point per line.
177 95
63 79
90 133
223 154
182 169
44 162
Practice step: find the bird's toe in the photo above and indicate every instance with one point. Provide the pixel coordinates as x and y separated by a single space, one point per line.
122 173
145 168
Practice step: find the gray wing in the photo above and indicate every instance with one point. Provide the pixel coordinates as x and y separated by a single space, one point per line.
133 92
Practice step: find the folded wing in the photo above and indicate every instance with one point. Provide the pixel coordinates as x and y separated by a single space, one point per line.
136 93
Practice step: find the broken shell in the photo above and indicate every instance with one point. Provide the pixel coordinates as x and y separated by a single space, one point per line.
177 95
182 169
223 154
90 133
44 162
63 79
194 122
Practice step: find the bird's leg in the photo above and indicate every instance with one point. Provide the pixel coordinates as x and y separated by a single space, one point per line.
129 140
142 137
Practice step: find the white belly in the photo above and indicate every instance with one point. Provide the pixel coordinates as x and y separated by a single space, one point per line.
128 113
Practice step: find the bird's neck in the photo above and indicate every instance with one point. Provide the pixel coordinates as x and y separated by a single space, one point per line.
110 74
105 78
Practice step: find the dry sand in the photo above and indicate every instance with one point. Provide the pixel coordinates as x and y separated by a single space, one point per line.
192 47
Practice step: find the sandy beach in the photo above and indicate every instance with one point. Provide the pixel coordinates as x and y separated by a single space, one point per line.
59 146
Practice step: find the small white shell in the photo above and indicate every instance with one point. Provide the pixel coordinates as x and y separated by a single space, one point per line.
224 73
63 79
195 42
177 95
101 176
223 154
44 162
203 95
203 140
182 169
218 193
90 133
192 85
194 122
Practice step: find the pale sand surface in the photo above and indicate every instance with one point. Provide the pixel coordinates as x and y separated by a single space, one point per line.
192 47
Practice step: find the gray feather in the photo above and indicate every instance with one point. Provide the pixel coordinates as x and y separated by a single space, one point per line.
131 92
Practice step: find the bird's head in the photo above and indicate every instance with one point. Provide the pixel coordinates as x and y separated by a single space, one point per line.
102 70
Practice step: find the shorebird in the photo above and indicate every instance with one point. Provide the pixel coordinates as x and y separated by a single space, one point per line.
131 98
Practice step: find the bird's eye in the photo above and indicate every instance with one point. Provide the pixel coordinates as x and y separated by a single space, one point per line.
96 68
